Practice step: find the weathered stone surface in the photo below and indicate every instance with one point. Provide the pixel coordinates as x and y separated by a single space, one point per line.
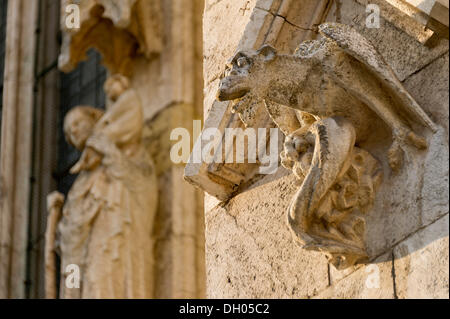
400 14
294 22
338 274
405 57
329 154
223 20
210 202
210 97
429 87
418 195
255 30
435 192
249 251
241 253
422 263
411 198
372 281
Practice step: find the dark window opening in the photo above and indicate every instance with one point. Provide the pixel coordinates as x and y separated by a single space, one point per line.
3 13
83 86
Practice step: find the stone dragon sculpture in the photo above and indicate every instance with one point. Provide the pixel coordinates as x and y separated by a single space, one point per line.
327 98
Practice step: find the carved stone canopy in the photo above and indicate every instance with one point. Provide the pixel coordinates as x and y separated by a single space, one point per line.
119 29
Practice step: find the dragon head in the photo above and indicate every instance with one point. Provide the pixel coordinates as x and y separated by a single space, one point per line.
245 74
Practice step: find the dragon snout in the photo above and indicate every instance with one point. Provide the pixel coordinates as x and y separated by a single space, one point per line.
232 88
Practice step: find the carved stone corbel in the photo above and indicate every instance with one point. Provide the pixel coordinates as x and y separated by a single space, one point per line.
329 98
119 29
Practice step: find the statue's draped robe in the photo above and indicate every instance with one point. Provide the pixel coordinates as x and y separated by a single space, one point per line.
106 227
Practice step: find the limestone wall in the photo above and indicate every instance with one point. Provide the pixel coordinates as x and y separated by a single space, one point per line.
250 252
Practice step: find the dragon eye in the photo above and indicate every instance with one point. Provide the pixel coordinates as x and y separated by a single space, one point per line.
241 62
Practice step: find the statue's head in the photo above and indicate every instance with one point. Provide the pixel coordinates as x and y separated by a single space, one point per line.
244 73
79 124
115 85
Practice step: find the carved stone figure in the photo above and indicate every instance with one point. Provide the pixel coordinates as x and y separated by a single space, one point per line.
105 224
328 97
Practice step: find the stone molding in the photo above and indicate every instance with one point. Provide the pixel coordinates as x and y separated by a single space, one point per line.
16 145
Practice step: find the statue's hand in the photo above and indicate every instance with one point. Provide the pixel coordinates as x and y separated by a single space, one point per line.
89 160
101 143
55 200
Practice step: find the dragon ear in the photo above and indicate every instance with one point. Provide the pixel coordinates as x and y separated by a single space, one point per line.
268 52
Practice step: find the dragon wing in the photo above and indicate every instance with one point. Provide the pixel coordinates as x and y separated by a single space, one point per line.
284 117
353 43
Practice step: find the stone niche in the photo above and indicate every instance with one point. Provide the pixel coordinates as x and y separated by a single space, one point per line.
250 251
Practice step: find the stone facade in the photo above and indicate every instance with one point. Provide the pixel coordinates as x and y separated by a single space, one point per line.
249 250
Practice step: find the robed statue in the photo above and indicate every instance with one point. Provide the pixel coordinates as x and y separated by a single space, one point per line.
102 231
